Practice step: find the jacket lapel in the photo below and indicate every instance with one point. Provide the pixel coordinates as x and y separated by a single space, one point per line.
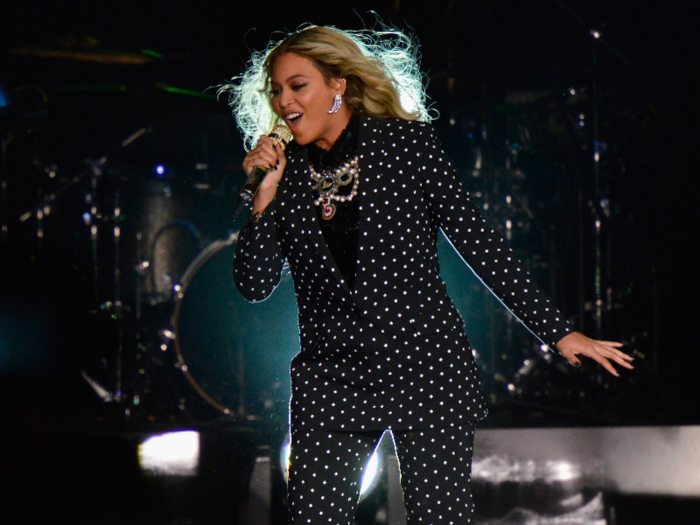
371 150
302 198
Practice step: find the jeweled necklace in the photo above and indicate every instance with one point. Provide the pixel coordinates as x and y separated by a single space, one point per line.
326 184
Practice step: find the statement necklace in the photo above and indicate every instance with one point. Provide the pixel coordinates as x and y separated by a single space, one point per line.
326 184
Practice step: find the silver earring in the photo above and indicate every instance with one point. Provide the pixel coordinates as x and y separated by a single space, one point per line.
337 101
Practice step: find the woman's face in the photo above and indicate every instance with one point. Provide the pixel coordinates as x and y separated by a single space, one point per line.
302 97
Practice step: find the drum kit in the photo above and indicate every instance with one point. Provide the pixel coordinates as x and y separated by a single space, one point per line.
132 188
538 179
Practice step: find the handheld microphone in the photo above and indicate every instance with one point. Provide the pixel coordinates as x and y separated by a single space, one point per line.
281 135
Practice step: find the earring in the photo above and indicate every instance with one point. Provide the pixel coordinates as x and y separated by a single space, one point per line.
337 101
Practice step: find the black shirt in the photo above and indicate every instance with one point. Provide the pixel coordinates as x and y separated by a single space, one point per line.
341 231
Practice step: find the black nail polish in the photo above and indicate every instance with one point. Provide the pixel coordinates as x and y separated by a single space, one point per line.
577 364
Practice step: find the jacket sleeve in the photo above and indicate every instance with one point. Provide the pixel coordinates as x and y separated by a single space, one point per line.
483 248
258 261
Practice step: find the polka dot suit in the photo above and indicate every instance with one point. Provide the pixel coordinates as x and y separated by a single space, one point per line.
390 353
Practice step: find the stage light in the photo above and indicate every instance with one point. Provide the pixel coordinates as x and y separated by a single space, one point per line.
368 477
370 474
166 334
171 454
160 170
562 471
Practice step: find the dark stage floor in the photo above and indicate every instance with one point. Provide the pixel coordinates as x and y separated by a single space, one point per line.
67 461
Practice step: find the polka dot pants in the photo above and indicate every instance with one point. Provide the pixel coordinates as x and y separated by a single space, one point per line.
326 469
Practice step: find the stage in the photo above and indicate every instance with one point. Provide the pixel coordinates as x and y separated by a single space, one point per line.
138 387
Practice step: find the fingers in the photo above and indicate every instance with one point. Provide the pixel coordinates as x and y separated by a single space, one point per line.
609 350
601 352
571 358
592 353
599 358
610 368
611 343
265 154
622 359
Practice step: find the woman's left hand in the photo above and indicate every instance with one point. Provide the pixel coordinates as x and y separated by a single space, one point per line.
603 352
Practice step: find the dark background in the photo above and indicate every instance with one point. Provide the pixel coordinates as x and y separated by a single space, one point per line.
479 56
510 81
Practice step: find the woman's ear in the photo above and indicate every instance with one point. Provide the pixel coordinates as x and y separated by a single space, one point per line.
339 85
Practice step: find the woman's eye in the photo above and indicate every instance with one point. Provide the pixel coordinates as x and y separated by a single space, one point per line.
298 87
275 92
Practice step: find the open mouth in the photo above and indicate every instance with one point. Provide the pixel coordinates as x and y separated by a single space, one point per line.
293 118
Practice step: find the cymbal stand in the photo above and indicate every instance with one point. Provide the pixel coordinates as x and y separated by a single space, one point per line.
600 205
91 219
4 143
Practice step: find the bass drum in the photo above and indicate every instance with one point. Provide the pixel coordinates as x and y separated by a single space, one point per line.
233 353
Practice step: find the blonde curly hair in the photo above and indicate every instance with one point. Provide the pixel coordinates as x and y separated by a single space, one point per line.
380 67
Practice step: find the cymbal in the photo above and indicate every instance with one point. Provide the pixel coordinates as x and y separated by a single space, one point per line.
97 55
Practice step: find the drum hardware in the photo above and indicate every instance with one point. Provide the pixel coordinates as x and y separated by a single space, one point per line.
95 169
127 233
104 394
203 332
166 335
146 269
174 333
92 217
156 392
533 126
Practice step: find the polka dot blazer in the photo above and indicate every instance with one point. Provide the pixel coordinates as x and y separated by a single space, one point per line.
391 353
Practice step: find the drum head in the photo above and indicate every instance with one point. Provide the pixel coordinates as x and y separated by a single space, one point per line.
238 353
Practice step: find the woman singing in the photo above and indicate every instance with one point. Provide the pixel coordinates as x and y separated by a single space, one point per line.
354 206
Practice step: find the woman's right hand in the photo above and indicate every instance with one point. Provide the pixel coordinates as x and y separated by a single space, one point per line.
269 155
